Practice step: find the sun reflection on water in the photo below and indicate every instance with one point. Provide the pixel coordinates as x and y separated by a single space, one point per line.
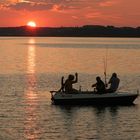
31 57
31 96
31 64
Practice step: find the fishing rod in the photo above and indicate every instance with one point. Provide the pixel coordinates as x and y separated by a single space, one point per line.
105 67
105 71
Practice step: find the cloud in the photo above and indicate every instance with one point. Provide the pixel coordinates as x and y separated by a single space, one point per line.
107 3
75 17
7 1
93 15
29 6
56 5
34 5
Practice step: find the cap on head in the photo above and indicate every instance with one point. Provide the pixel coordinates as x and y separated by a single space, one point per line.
114 74
98 78
71 77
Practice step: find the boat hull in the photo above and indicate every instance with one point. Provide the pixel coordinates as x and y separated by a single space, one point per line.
94 99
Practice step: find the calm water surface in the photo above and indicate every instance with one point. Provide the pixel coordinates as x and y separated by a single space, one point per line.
31 67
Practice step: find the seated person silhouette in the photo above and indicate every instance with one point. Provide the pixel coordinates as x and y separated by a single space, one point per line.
114 83
67 86
99 86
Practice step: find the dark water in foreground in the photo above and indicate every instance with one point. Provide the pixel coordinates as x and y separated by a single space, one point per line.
26 112
30 67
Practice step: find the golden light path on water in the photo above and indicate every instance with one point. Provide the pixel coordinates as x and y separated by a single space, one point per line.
31 57
31 96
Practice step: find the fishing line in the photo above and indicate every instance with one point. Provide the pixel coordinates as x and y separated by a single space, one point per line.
105 65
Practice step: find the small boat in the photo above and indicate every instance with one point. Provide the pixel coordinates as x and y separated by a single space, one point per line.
91 98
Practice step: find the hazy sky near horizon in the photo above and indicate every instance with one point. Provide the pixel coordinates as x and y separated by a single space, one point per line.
70 12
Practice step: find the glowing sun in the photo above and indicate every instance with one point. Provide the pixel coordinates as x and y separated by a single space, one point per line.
31 24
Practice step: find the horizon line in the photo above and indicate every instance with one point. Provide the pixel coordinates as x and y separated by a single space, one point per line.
69 26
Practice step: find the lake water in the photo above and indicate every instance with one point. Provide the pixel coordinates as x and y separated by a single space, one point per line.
31 67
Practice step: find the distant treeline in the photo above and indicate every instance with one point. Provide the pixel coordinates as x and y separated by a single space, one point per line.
84 31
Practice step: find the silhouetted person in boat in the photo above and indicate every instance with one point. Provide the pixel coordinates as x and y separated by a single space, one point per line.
114 83
99 86
68 85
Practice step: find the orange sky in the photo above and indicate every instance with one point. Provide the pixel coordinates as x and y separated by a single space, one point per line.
70 12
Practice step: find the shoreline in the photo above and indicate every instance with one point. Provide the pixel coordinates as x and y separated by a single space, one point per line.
84 31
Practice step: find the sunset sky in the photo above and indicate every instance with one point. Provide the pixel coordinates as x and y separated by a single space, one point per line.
70 12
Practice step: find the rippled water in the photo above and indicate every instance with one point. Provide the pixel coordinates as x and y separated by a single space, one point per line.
31 67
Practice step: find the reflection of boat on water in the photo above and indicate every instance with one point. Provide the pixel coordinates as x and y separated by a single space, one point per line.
89 97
